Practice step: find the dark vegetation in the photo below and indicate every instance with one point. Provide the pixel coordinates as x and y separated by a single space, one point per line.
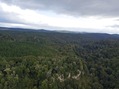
52 60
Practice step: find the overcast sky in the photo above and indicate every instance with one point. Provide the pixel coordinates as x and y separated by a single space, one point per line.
73 15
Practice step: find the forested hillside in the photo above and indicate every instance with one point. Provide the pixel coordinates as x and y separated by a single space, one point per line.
53 60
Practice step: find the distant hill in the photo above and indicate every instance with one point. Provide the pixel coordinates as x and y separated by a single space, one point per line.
23 29
85 35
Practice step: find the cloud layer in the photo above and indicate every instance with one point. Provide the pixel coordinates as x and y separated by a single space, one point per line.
73 7
75 15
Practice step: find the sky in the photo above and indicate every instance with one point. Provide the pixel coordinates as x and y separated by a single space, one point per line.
71 15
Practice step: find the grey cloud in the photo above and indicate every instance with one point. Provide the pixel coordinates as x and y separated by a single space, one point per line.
72 7
12 19
114 26
9 18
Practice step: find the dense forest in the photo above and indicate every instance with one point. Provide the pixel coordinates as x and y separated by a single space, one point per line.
41 59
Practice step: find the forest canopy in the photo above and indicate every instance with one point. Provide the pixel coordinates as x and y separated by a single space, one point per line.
53 60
